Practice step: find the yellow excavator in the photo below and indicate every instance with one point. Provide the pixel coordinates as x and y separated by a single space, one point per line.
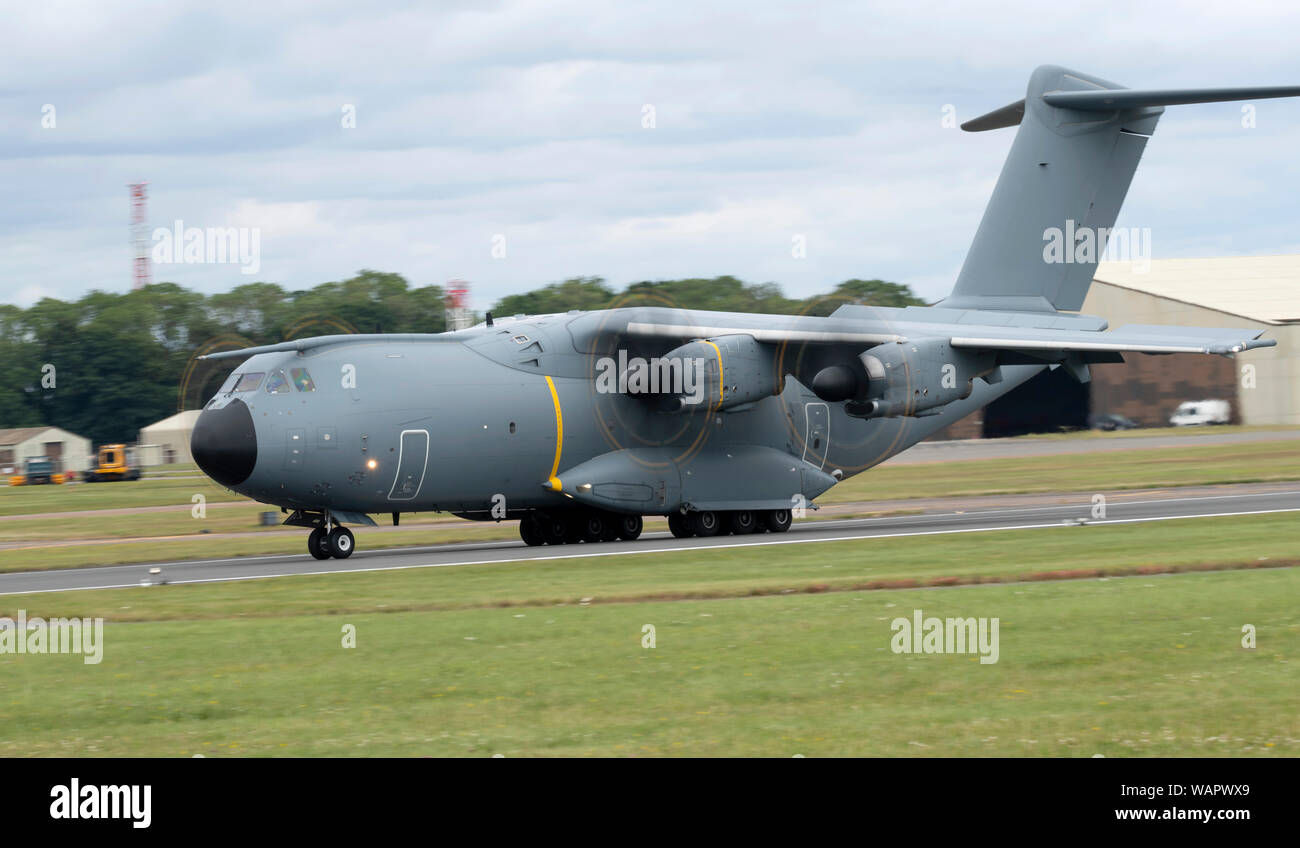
115 462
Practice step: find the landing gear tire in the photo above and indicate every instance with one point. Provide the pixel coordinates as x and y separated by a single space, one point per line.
743 522
591 527
531 532
555 530
629 527
706 523
341 543
778 520
317 544
680 526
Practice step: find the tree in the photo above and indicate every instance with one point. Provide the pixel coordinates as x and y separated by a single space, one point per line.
865 292
574 293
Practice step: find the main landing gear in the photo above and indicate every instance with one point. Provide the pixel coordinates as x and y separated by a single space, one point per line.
560 528
739 522
337 543
588 525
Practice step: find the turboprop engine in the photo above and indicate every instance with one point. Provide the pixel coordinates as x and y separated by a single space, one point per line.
907 378
724 372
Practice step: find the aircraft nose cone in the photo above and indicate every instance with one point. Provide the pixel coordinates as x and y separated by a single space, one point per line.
224 443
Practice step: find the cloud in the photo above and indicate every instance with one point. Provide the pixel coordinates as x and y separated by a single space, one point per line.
525 119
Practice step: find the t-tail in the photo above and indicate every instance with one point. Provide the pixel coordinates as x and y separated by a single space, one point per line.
1074 155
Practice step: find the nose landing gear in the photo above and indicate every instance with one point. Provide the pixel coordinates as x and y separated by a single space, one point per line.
324 542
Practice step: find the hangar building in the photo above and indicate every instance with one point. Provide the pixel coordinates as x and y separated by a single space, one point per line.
168 440
1263 386
1262 292
69 451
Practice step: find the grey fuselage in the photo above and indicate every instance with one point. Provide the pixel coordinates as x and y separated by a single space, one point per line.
494 421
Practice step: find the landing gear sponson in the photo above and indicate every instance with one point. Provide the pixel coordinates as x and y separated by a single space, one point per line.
559 528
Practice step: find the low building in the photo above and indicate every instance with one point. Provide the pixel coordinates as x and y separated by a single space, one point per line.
1259 292
69 451
167 441
1261 386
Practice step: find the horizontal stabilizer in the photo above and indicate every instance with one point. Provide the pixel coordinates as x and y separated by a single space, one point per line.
1135 98
1007 116
1111 99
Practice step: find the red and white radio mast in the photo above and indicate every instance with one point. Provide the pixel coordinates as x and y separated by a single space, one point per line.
140 233
458 315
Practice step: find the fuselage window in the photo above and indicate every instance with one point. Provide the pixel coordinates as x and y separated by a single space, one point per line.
277 383
250 382
302 380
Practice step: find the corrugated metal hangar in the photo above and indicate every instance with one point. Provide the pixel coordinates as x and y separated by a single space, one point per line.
1263 386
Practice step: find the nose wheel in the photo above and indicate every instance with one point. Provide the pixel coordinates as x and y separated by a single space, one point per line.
337 543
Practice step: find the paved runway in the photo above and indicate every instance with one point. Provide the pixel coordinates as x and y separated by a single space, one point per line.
1030 512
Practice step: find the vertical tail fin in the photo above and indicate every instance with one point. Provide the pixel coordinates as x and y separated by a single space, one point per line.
1074 155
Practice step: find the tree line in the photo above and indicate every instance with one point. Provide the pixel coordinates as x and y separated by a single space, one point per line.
108 364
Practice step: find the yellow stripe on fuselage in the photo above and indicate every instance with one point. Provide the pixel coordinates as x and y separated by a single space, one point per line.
559 436
721 382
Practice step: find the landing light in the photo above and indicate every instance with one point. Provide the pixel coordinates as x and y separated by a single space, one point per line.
372 465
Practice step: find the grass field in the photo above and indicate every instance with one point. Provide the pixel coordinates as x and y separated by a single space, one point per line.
756 653
1192 465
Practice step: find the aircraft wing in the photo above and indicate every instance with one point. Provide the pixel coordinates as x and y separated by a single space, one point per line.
1131 338
798 330
1043 337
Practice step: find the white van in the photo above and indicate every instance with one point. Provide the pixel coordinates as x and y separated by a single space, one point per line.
1194 412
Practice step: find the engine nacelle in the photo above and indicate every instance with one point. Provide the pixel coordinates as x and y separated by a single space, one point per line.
718 373
914 378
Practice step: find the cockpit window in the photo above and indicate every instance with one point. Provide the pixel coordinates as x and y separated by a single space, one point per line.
302 379
249 382
229 385
277 383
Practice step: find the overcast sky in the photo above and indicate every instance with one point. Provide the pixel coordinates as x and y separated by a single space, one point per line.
527 120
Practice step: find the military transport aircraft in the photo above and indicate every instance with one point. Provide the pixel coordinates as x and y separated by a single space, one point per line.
579 424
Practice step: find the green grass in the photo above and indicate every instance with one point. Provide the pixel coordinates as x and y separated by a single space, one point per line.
1137 666
1193 465
1148 432
766 651
150 491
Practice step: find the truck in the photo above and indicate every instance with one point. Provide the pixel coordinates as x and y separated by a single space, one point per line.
114 462
37 471
1197 412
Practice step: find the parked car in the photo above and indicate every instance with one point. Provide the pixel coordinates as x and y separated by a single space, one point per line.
1197 412
1111 421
